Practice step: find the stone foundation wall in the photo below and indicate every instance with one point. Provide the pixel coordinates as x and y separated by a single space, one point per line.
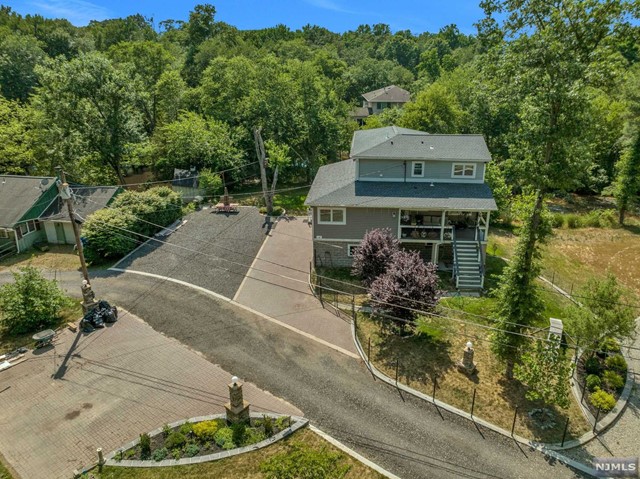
332 254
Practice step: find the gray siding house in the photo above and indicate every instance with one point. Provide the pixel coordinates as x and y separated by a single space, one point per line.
376 101
428 189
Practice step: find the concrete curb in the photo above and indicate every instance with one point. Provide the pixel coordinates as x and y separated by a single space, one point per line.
352 453
546 449
298 423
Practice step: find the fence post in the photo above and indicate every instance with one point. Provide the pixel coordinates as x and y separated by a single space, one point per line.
397 367
564 434
353 306
595 423
369 352
320 289
473 402
435 384
553 278
515 416
584 389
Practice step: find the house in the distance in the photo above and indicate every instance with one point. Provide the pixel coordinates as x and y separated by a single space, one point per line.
32 211
377 100
429 190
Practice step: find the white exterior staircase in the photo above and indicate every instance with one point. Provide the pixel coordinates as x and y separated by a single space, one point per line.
468 268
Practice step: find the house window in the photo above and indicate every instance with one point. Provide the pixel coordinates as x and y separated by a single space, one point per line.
31 225
463 170
332 216
24 229
4 233
417 169
351 249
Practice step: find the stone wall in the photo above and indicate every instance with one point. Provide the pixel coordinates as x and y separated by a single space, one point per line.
332 254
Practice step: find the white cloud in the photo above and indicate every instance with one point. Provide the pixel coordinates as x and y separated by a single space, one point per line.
329 5
78 12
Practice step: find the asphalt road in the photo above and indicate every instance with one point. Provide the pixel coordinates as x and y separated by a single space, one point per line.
404 435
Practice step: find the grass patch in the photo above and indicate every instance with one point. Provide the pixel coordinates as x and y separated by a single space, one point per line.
292 201
9 342
423 356
58 258
244 465
4 472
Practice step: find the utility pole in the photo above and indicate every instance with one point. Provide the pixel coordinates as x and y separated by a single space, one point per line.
65 195
262 158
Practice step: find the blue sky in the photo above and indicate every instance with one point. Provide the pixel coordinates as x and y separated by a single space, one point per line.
336 15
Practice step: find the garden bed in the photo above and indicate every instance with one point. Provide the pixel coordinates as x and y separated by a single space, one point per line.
203 439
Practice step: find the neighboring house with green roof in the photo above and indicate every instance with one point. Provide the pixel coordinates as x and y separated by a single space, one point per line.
31 211
428 189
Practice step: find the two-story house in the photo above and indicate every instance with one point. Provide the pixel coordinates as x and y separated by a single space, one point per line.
428 189
377 100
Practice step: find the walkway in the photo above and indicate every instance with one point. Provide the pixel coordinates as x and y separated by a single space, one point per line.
282 292
116 383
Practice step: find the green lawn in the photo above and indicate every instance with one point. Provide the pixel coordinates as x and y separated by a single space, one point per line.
242 466
292 200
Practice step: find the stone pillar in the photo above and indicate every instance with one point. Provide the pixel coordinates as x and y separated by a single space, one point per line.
237 408
467 365
88 297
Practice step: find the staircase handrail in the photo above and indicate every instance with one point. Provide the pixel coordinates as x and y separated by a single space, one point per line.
455 255
479 236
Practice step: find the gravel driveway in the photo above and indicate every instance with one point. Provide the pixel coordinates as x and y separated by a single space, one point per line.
231 241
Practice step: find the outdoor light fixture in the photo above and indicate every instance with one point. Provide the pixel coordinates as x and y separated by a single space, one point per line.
234 380
469 345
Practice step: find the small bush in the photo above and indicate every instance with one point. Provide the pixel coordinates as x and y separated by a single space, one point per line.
593 366
591 220
130 453
557 220
186 429
608 219
205 430
224 436
616 363
268 426
175 440
573 221
176 453
160 454
602 400
253 436
239 433
116 457
191 450
145 445
166 430
277 211
610 345
283 422
613 380
593 382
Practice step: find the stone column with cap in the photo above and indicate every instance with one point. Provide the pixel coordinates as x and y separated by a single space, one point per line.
467 365
237 408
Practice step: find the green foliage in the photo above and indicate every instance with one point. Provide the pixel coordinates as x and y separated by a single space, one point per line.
224 438
31 302
145 445
435 110
573 221
593 382
239 432
268 425
175 440
602 400
277 210
16 153
166 430
176 454
210 182
186 429
303 462
191 450
557 220
496 180
160 454
610 345
206 430
593 366
430 328
546 371
283 422
612 380
616 363
19 57
253 436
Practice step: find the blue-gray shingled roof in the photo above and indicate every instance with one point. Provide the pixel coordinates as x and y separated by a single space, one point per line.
335 185
392 142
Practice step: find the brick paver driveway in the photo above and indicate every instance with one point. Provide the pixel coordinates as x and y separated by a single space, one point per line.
228 244
115 384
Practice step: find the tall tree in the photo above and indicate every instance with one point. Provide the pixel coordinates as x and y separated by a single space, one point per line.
16 155
19 56
88 112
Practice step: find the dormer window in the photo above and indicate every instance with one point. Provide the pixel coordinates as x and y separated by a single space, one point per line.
417 169
463 170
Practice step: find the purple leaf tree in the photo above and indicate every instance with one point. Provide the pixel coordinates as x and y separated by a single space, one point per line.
374 254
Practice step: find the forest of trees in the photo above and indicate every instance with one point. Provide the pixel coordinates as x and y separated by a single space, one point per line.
120 93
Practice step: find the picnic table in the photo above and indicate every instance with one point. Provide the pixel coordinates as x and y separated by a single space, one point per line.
44 338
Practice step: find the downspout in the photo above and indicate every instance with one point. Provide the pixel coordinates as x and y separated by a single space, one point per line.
404 163
15 236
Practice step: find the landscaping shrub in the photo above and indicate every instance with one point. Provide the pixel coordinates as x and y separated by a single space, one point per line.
593 382
616 363
608 219
591 219
268 425
610 345
277 210
613 380
186 429
593 366
160 454
166 430
239 432
175 440
145 446
283 422
573 221
374 254
176 453
31 302
205 430
301 461
223 437
252 436
602 400
191 450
